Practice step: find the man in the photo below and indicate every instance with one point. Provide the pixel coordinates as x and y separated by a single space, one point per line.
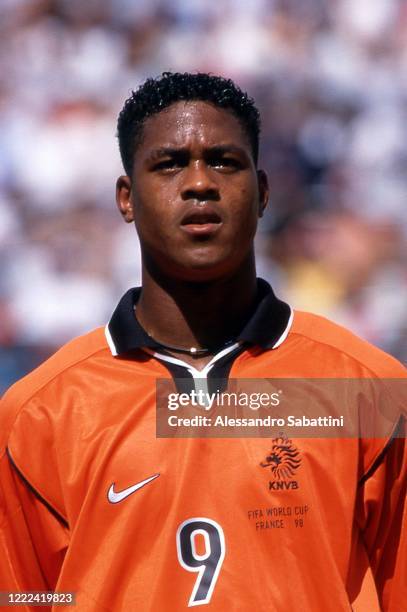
95 502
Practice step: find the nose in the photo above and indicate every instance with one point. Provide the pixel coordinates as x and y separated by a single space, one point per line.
199 183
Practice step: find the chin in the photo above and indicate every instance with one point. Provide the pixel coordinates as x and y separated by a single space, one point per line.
198 265
204 270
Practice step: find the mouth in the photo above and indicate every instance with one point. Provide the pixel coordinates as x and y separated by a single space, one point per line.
201 222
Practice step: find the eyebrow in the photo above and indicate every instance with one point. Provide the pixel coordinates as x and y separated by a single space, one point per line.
227 148
176 151
167 152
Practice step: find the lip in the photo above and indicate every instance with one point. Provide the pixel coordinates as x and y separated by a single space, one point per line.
201 221
201 229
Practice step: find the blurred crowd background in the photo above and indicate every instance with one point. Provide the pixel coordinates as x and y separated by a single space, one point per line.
330 79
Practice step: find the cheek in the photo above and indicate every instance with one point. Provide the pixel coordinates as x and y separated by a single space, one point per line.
153 220
156 197
249 190
247 204
146 218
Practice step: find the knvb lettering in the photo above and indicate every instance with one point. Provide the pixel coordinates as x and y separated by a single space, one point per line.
283 485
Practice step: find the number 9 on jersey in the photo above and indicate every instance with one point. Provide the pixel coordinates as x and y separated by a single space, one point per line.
207 565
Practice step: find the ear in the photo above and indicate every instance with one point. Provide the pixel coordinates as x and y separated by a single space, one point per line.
123 198
264 191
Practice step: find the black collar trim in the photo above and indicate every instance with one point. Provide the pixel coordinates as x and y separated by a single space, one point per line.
268 327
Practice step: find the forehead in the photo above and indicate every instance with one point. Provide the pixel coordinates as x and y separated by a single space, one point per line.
189 123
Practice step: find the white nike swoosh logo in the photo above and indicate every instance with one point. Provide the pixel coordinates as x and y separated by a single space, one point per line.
115 498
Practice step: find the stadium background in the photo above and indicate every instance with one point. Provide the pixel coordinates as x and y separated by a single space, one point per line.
330 78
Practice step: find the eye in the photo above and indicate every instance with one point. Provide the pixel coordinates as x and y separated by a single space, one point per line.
226 164
168 165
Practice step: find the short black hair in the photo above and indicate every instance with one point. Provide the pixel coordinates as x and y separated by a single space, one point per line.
157 94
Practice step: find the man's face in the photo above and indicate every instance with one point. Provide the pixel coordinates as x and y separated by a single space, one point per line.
195 194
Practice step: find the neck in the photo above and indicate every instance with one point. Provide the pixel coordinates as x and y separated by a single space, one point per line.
200 314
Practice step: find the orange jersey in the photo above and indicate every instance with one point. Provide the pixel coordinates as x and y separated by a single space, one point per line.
93 502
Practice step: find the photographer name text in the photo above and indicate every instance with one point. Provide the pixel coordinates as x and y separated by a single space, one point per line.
243 401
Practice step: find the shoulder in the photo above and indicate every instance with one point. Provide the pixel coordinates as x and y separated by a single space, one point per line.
334 340
75 352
